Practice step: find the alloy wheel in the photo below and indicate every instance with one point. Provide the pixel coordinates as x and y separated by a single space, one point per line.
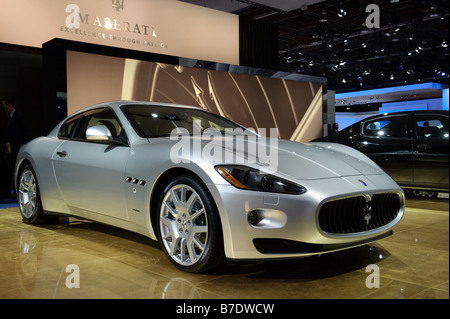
28 194
183 224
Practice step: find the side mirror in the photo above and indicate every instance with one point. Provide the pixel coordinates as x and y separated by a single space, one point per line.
98 133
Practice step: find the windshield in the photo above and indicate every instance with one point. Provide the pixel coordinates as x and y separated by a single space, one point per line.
156 121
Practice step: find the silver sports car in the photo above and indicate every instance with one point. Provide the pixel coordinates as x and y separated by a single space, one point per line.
205 187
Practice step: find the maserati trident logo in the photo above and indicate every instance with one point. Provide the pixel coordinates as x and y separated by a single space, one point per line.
366 212
118 5
362 182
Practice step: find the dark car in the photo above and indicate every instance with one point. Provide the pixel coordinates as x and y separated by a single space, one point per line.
411 146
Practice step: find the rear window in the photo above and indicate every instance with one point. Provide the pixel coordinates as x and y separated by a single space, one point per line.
394 126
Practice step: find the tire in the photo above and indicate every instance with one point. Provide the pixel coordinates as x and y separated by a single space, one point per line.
189 228
29 198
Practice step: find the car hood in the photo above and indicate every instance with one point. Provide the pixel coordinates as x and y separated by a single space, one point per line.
303 161
317 160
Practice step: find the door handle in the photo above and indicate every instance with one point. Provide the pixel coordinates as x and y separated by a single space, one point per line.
61 154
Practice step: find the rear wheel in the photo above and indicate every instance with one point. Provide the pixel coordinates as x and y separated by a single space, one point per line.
29 197
189 226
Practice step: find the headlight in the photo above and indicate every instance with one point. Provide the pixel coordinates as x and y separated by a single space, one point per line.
251 179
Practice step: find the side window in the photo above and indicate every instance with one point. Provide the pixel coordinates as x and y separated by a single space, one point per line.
69 127
431 126
105 117
393 126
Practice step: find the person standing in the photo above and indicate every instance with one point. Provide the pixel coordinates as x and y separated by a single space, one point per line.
5 150
334 129
16 133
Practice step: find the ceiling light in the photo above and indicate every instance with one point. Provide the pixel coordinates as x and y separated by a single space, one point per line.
433 12
444 44
342 13
323 19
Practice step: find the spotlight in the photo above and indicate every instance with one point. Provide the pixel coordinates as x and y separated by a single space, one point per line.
323 19
433 12
342 13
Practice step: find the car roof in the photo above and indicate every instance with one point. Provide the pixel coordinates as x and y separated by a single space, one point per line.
441 112
119 103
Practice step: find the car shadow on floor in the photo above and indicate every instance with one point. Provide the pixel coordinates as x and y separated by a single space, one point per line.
305 268
311 267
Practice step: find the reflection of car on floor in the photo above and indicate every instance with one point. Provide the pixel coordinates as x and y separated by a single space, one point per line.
411 146
115 163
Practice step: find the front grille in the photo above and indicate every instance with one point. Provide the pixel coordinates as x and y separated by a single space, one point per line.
360 213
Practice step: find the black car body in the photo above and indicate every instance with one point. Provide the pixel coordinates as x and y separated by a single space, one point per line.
411 146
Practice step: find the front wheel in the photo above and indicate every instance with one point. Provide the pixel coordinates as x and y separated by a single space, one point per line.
189 227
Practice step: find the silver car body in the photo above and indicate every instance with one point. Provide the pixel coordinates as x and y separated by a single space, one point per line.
92 181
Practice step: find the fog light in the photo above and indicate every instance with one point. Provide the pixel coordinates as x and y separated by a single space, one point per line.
254 217
266 218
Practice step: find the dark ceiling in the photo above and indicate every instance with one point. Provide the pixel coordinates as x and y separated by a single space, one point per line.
331 39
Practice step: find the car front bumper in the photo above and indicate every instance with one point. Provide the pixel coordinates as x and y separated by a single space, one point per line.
290 225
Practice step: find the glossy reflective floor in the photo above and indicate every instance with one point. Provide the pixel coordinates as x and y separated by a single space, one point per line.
112 263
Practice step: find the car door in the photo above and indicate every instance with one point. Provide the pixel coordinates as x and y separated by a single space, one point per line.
431 150
90 175
387 140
